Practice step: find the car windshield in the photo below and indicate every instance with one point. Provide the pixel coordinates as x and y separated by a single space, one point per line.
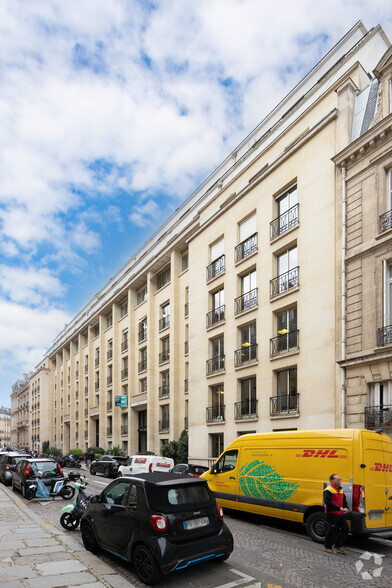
198 470
46 467
177 498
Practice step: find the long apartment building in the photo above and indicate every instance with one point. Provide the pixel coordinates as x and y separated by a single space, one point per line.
5 426
228 320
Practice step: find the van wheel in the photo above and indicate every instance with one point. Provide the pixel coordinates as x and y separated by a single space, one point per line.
145 565
316 526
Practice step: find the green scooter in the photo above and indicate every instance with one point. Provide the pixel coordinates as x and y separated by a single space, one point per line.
72 513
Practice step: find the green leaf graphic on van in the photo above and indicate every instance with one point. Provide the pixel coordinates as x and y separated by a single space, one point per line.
259 480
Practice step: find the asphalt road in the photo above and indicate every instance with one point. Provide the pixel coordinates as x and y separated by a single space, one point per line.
267 554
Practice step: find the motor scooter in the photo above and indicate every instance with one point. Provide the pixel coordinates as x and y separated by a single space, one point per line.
60 488
72 513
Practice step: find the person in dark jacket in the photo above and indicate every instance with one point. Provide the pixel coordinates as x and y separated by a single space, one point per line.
335 508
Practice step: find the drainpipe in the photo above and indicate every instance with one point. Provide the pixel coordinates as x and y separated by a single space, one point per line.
344 295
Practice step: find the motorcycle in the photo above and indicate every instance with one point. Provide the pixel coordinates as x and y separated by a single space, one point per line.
72 513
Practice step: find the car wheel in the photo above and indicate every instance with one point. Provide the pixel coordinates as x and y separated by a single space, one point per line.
69 521
92 471
316 526
106 472
67 492
88 538
145 565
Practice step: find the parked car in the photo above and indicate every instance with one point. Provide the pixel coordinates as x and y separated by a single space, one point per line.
140 464
26 473
107 465
189 468
8 461
158 522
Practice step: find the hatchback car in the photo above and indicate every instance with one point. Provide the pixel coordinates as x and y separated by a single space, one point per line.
107 465
8 461
26 472
159 522
189 468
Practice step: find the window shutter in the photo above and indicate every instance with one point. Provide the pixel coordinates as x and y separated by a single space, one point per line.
247 228
217 249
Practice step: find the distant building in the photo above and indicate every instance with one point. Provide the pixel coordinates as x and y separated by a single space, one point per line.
20 413
5 426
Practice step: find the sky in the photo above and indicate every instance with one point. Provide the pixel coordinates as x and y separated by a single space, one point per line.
111 113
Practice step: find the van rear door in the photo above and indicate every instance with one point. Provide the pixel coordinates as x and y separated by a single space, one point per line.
387 443
377 459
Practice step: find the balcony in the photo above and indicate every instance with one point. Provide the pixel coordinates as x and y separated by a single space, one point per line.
215 317
384 336
215 414
142 336
124 346
109 405
186 385
85 390
186 310
246 355
385 221
96 385
284 222
109 354
96 362
284 282
245 302
109 431
164 322
186 348
142 366
245 248
284 343
164 356
215 365
94 411
216 268
86 368
164 391
124 430
282 405
164 426
186 423
109 380
124 373
378 416
245 410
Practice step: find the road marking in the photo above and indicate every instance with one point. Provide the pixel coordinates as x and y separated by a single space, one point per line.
97 482
243 580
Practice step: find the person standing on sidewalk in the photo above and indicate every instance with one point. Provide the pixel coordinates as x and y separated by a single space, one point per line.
335 508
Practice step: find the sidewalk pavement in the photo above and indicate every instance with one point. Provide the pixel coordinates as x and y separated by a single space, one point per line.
37 555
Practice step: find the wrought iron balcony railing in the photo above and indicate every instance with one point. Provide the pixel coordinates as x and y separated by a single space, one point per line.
86 434
142 336
109 405
164 391
384 336
246 301
109 354
164 356
124 346
124 430
246 409
215 364
215 268
215 414
109 431
284 282
142 366
385 221
245 248
215 316
246 354
124 373
287 220
285 342
164 426
164 322
378 416
284 404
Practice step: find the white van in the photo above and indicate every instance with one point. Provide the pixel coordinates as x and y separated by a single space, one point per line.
141 464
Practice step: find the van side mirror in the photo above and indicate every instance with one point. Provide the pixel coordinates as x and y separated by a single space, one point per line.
214 469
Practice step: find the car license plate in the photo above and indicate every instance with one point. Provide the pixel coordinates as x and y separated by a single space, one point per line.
196 523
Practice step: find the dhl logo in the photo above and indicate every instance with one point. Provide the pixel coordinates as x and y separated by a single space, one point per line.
382 467
329 453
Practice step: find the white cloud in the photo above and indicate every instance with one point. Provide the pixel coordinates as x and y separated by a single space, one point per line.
32 286
143 214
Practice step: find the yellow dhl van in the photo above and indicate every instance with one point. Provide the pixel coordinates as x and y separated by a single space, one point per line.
283 475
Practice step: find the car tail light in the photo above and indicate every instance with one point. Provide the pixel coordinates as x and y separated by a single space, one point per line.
60 469
7 467
358 498
27 471
150 468
220 511
159 523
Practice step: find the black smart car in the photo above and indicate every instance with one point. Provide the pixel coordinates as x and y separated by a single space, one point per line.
26 472
189 468
159 522
107 465
8 463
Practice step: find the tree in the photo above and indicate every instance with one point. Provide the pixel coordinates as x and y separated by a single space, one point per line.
116 451
45 447
177 450
55 451
76 452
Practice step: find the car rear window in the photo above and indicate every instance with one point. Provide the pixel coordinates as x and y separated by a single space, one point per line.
121 460
198 470
180 497
14 460
46 467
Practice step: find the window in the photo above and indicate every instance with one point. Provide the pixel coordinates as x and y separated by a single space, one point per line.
227 462
217 249
142 360
96 331
143 385
217 361
142 329
184 261
85 339
248 397
218 299
124 340
124 369
110 349
286 399
216 412
165 316
248 298
287 333
141 296
109 321
248 282
163 278
384 334
124 309
216 444
287 266
287 382
248 238
165 415
217 258
165 350
116 494
287 209
248 336
381 394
